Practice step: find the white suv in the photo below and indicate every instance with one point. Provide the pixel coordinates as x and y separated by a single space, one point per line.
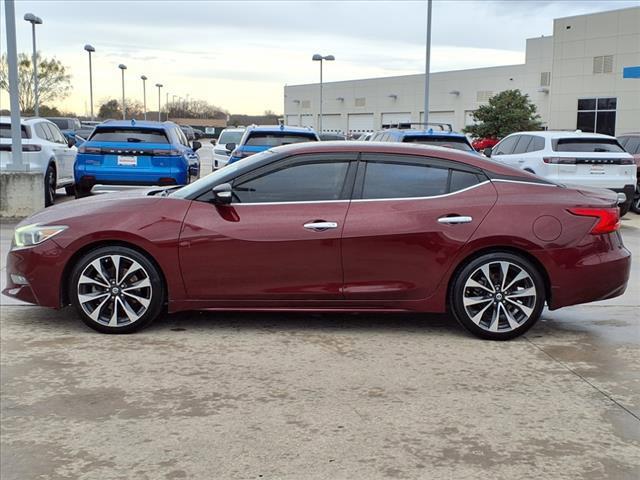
588 159
231 137
44 149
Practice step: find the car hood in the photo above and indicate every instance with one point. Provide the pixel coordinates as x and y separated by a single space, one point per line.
124 202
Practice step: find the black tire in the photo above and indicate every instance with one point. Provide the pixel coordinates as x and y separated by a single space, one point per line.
624 208
635 204
50 186
70 190
82 191
97 314
516 315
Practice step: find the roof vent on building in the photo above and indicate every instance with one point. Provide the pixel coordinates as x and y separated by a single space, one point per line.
361 102
603 64
545 79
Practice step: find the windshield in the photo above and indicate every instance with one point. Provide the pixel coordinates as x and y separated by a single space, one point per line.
129 135
230 137
213 178
457 143
5 130
589 145
275 139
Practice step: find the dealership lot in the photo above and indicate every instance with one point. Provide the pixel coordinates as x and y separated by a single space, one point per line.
229 395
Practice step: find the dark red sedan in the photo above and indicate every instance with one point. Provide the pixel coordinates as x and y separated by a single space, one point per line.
329 226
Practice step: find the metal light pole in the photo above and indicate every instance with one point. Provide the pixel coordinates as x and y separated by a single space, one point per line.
14 102
90 50
33 20
319 58
144 94
159 85
427 64
166 104
123 67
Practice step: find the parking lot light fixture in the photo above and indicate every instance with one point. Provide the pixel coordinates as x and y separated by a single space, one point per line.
319 58
144 94
90 50
123 67
159 85
34 20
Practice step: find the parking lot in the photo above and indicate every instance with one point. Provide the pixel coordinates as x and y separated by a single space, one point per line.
327 396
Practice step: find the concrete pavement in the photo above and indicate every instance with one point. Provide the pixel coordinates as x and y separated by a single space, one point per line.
309 396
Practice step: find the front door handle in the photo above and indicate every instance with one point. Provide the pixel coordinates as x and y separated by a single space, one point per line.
320 225
455 220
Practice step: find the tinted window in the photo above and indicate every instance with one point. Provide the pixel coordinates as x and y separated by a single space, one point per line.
587 145
40 131
48 132
274 139
230 137
586 104
606 123
295 181
5 130
460 180
57 135
537 144
403 179
523 144
449 142
60 122
632 144
131 135
607 103
505 147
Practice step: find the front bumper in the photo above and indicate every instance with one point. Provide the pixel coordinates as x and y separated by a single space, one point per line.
42 267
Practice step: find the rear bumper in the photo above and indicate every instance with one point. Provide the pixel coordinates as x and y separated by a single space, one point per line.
595 276
88 176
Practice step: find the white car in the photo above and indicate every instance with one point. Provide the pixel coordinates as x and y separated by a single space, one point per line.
576 158
44 149
221 154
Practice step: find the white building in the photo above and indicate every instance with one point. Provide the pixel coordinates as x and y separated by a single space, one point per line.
587 76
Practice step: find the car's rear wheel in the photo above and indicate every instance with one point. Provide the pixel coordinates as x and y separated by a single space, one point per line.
50 186
70 190
116 290
635 204
82 191
498 296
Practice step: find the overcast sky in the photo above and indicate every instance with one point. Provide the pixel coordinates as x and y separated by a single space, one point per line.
240 54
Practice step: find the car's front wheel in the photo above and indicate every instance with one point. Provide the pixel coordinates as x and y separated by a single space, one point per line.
498 296
50 184
116 290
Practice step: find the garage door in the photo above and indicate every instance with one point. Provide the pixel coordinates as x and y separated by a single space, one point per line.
360 122
448 116
395 118
332 123
306 121
293 120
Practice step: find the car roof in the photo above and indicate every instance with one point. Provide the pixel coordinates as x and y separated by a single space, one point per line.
563 134
25 120
426 133
135 123
280 128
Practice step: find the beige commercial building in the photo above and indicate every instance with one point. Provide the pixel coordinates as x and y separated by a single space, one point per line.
586 76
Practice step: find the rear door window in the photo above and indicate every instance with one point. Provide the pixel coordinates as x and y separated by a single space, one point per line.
129 135
275 139
522 145
57 134
587 145
457 143
537 144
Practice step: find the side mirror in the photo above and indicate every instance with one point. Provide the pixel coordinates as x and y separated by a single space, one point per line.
196 145
230 147
71 142
487 152
222 194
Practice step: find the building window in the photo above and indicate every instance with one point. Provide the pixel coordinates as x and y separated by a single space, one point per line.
361 102
545 79
484 95
597 115
603 64
306 103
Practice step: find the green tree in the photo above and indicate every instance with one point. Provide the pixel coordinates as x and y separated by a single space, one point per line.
111 108
507 112
54 83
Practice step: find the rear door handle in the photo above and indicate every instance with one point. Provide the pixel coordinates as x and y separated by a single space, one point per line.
455 220
320 226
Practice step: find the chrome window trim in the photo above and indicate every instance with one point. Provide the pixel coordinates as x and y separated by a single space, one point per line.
290 203
504 180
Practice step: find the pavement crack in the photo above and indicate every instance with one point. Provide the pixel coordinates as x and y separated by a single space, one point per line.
583 378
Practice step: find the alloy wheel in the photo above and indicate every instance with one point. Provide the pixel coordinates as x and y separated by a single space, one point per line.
114 290
499 296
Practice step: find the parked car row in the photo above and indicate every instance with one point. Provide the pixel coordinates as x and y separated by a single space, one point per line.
117 152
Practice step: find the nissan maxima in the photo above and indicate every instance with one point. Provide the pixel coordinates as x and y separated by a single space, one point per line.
330 226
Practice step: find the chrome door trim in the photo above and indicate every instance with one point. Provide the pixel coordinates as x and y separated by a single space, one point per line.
320 226
455 220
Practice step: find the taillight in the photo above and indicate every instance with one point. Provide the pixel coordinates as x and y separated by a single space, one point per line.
627 161
608 218
166 153
25 148
559 160
91 150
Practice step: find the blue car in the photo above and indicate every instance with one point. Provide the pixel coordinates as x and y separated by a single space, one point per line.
260 138
129 152
440 136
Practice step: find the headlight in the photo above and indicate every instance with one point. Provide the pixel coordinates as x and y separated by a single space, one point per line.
31 235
